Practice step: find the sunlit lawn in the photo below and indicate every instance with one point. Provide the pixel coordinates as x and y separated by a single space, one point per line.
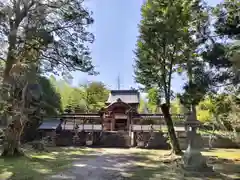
154 166
34 166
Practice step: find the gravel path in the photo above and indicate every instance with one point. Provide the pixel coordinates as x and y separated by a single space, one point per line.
99 166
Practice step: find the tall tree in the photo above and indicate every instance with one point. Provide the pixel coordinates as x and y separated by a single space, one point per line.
220 52
192 64
49 34
160 47
61 23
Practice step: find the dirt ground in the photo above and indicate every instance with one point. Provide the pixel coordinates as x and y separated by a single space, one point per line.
108 164
136 164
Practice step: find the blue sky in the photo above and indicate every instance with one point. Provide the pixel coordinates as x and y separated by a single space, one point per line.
116 30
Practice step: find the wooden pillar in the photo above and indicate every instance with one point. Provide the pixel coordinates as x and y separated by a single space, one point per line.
113 124
128 122
129 128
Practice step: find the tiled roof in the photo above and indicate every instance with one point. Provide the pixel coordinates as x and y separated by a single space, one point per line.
49 125
160 116
84 116
127 96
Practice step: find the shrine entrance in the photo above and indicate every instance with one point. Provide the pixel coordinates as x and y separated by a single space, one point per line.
116 117
121 122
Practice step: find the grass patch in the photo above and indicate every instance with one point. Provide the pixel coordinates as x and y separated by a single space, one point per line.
231 154
36 165
154 166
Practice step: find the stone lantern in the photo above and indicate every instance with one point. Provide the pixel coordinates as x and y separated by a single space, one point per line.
192 158
89 139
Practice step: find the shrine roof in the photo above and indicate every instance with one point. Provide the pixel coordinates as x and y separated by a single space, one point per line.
49 124
81 115
127 96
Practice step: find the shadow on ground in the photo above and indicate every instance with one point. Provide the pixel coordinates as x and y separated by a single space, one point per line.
109 164
35 165
172 170
100 166
143 165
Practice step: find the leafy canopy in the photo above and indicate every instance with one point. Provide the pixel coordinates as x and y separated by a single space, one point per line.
59 24
166 31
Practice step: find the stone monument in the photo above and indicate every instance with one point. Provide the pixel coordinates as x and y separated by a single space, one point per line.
193 160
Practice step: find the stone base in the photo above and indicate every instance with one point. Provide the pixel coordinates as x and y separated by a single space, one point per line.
89 143
140 144
193 160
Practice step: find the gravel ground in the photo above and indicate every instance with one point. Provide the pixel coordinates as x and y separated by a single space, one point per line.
99 166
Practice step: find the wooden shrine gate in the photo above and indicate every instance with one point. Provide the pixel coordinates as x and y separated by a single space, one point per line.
90 127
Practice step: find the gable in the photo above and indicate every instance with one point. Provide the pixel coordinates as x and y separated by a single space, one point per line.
126 96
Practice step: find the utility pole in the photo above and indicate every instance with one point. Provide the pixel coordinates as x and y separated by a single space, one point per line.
118 82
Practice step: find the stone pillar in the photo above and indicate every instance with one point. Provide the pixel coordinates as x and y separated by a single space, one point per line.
132 137
192 158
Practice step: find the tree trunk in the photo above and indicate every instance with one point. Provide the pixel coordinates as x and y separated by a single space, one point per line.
173 138
14 130
11 145
194 111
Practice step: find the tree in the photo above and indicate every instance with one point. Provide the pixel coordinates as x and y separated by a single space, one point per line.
142 106
61 23
153 100
76 100
225 109
89 97
221 56
199 80
222 51
95 95
160 46
50 35
176 107
205 110
50 106
23 105
51 102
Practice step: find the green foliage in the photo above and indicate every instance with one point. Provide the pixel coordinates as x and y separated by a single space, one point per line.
228 19
153 100
199 80
89 97
176 107
142 106
51 100
95 95
60 26
220 109
196 88
165 34
221 54
163 45
204 110
76 100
